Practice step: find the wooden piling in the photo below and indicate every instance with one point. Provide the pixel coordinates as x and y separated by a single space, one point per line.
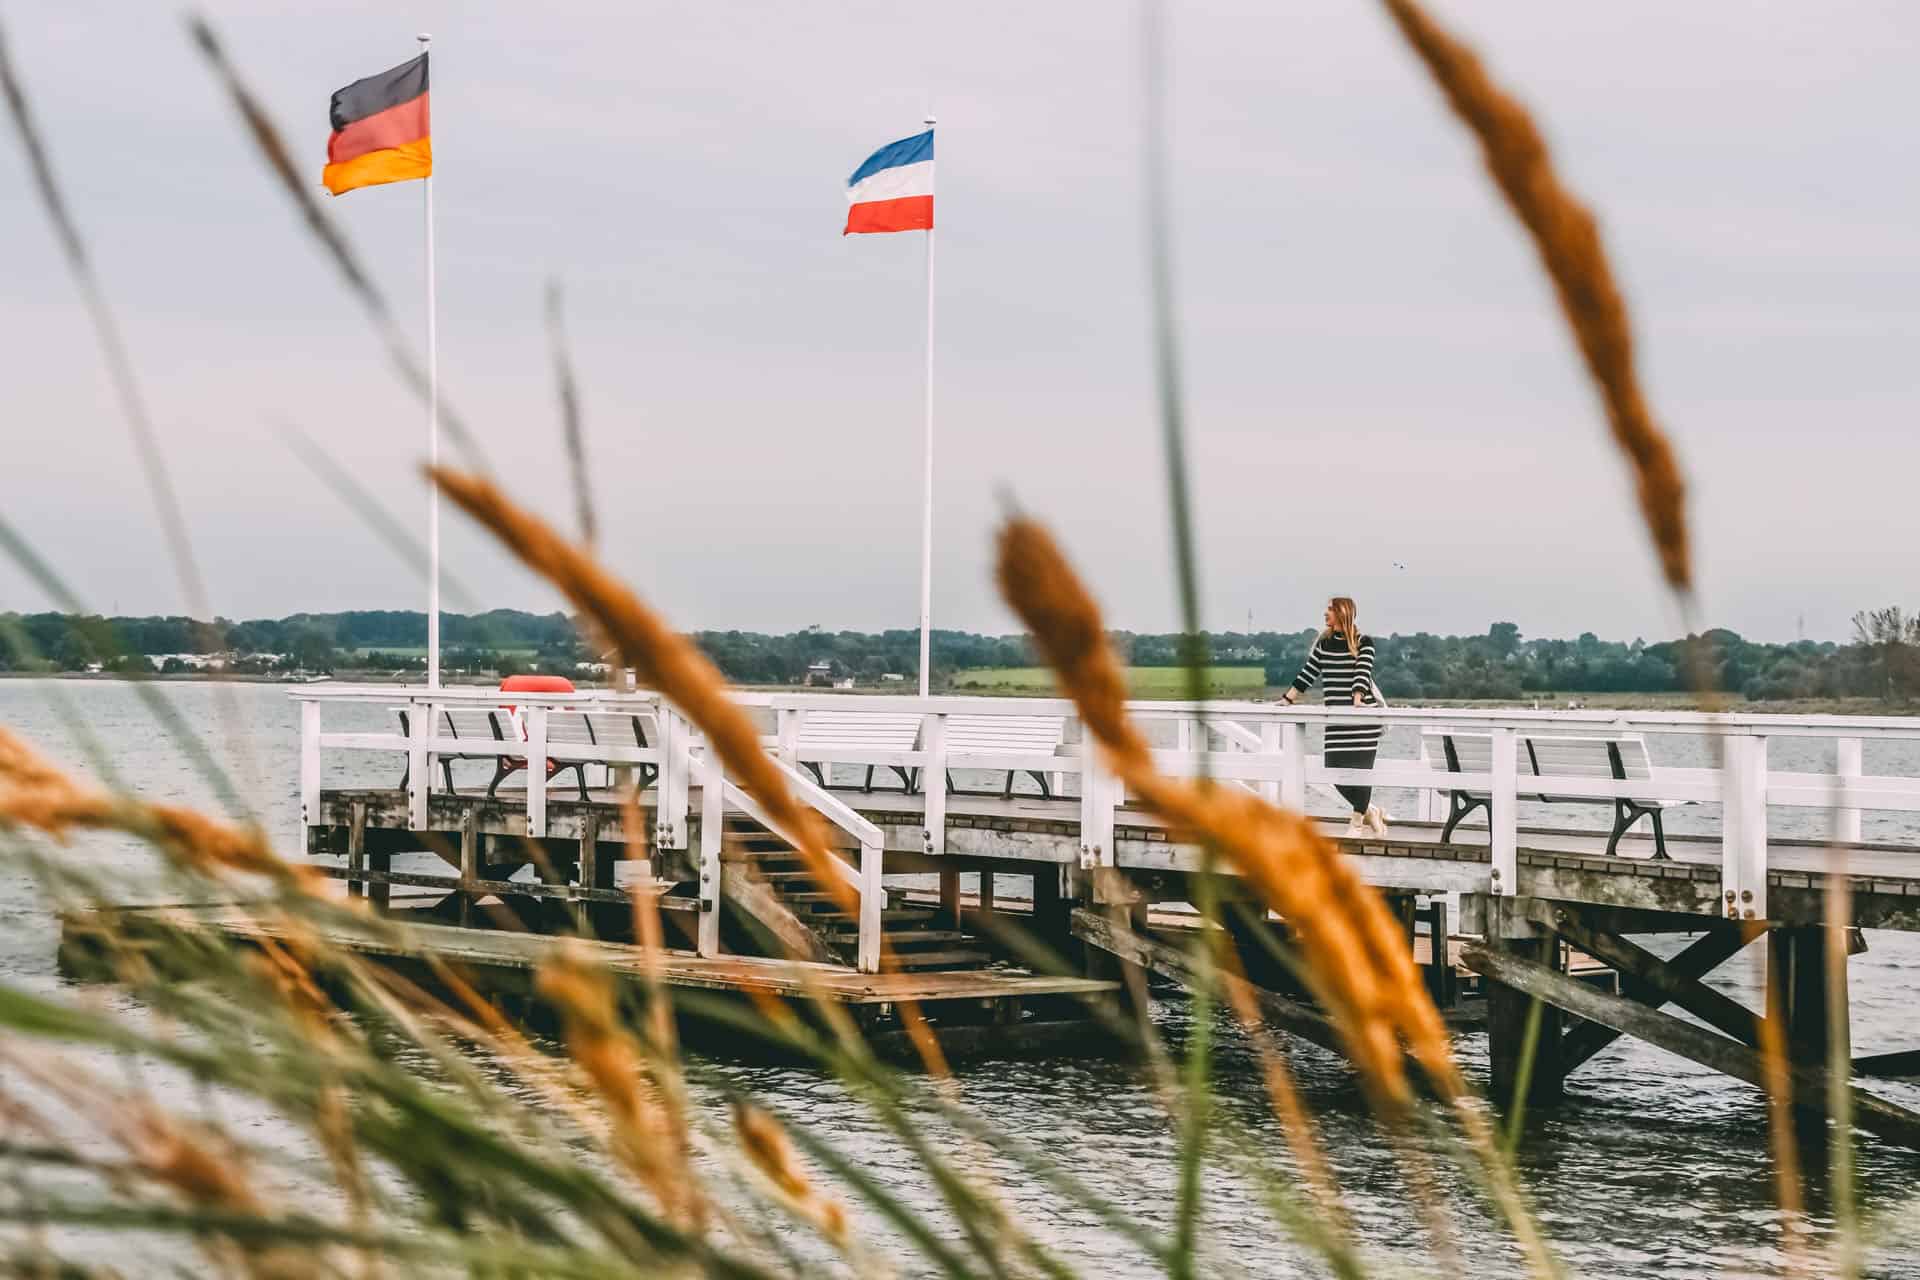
1512 1014
1797 960
357 848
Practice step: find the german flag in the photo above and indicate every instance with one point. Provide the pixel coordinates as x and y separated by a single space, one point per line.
380 130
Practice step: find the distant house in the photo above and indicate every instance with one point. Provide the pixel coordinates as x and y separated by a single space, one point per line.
819 673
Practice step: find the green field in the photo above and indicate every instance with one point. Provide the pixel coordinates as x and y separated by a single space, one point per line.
420 650
1142 682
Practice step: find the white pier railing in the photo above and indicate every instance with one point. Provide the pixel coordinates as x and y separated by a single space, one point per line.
1263 746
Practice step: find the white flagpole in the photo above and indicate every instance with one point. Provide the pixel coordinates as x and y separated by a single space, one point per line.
433 439
926 507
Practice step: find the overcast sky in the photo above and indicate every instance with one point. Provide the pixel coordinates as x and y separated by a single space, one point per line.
1377 376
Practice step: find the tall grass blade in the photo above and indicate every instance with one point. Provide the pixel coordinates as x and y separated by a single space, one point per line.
1568 240
332 240
571 430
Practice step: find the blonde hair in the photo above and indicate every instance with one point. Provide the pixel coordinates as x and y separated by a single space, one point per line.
1345 622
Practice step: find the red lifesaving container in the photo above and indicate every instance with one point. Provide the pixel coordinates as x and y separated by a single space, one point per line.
534 684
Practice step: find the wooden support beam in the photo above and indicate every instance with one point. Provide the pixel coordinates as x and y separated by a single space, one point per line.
1905 1062
589 870
480 888
1050 925
1654 984
986 895
357 847
755 904
1443 984
1797 974
1644 974
1511 1018
950 897
1697 1044
1102 932
469 862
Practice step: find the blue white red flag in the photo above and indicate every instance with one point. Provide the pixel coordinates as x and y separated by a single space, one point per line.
893 190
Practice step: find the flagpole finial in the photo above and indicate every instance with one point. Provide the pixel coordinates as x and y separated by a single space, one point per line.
425 37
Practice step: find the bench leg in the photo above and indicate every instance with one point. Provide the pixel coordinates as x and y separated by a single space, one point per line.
868 785
906 779
1626 813
446 771
1046 792
813 768
1462 806
500 773
580 776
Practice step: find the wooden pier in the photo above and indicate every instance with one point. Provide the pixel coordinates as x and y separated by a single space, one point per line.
1551 907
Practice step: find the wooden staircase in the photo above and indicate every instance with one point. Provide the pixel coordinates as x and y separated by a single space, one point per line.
758 868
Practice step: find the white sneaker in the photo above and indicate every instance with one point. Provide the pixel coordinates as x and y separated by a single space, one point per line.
1376 821
1357 825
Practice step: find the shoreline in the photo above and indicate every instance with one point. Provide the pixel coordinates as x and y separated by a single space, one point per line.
1668 701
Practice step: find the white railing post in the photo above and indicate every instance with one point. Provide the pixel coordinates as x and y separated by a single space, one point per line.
419 763
1427 800
713 823
310 764
670 798
1096 806
1293 765
1270 757
536 771
1504 836
787 726
1846 816
933 780
873 901
1743 827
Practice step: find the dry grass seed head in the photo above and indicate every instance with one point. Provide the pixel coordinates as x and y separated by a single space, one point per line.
648 1135
766 1146
1568 240
36 794
1350 941
665 659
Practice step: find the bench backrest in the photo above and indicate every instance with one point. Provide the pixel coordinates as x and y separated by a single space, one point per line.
620 728
1546 755
574 728
871 730
1472 752
477 723
1036 734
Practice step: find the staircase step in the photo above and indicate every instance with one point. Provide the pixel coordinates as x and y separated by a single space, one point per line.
837 918
899 961
905 940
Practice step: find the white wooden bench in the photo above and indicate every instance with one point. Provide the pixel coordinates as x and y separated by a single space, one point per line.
1002 736
623 729
1622 759
489 729
825 735
463 723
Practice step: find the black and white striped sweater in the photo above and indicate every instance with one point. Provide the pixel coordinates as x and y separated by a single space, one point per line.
1341 673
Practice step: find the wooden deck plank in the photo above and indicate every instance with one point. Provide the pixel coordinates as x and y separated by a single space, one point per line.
487 948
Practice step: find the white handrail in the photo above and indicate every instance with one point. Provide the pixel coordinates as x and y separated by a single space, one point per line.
1266 751
867 880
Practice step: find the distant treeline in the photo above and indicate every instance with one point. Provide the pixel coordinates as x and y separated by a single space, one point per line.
1883 660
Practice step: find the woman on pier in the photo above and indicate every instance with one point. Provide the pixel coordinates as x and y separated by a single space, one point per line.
1342 661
